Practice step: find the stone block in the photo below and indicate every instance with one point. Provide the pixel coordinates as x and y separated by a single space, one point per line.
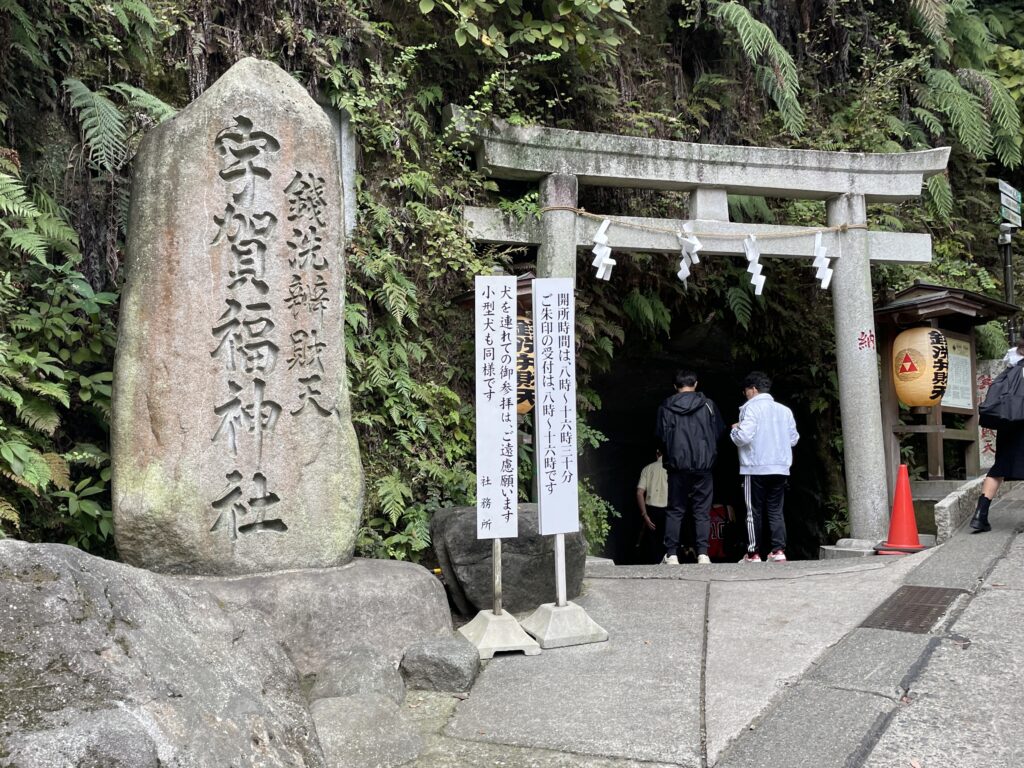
232 441
441 664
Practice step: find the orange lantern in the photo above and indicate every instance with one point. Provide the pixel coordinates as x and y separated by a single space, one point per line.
920 366
524 364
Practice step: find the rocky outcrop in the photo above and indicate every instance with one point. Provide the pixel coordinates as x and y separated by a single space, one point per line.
103 664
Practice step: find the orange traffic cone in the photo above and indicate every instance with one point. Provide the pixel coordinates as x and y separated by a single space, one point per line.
903 537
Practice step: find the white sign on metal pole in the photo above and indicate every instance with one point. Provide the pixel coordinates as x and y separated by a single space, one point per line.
497 485
554 323
1009 203
1006 189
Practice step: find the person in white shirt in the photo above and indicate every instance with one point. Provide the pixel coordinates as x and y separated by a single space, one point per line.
765 436
652 498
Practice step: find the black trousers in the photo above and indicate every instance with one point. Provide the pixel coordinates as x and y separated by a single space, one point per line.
689 492
650 543
764 496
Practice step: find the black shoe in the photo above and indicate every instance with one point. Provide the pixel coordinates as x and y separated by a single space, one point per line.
979 523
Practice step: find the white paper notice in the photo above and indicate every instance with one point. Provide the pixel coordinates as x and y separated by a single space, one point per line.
959 386
554 334
496 451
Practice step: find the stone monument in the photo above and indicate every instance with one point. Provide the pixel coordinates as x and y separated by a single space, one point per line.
233 446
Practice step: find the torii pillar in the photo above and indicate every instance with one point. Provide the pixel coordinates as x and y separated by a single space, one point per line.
860 403
560 160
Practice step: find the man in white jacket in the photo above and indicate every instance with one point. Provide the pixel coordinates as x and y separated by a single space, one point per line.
765 436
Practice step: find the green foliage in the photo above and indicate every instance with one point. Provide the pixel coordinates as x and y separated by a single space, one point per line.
103 126
592 27
837 519
776 70
991 341
595 517
975 103
56 344
647 313
407 260
940 196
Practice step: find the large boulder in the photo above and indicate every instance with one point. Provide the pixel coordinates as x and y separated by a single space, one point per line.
318 614
103 665
232 440
528 562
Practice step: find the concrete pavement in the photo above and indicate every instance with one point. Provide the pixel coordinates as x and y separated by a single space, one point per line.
886 661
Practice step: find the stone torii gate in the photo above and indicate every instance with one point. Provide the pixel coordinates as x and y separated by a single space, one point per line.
561 160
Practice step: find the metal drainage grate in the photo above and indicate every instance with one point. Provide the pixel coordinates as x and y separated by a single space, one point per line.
913 609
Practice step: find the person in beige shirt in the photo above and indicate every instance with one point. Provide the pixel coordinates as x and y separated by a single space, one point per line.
652 498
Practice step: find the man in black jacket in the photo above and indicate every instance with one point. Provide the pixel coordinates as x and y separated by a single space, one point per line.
689 427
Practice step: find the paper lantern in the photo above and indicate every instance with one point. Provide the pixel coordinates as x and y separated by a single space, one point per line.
524 364
920 366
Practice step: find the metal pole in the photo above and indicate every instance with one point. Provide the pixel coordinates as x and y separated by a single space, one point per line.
1005 245
560 570
496 562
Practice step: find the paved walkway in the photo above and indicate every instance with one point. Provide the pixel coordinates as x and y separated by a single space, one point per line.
767 664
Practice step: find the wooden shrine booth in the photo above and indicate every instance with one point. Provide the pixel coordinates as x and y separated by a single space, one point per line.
954 420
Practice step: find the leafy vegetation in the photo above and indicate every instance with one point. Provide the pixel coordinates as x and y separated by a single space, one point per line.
80 83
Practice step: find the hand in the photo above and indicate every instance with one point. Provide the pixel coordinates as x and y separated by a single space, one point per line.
736 425
648 522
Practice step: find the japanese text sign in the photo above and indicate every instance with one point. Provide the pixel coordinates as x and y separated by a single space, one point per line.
554 319
496 451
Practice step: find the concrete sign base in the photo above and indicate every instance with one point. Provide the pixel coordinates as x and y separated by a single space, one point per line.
557 626
493 633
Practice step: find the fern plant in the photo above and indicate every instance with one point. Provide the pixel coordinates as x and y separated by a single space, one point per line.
56 343
776 71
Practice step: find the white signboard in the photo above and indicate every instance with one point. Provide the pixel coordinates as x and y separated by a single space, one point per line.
1006 189
959 383
497 485
554 334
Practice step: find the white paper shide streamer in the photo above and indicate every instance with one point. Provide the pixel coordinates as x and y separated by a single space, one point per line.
753 267
603 260
689 246
821 263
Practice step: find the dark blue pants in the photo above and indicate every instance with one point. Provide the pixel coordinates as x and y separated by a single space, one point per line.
689 492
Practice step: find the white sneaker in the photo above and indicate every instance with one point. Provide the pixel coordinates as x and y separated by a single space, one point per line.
751 558
703 560
777 557
670 560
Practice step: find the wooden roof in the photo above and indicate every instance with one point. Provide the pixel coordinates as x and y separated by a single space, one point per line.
925 301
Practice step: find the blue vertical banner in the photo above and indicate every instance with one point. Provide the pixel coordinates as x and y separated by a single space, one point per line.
497 457
554 323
